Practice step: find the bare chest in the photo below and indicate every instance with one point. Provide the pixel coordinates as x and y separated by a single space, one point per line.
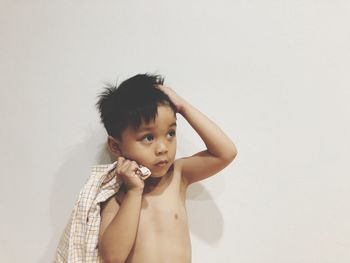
163 234
163 214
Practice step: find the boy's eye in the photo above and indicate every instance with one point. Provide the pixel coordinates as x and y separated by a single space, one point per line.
173 132
150 136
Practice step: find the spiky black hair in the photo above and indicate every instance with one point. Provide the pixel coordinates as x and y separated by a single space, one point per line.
134 100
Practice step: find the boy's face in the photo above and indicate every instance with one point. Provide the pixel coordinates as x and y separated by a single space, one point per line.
149 146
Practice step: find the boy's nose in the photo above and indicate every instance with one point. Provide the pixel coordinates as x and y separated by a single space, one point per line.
161 148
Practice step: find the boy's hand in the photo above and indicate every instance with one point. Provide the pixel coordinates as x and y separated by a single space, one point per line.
173 96
127 171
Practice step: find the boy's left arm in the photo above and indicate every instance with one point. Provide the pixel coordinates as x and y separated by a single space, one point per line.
220 152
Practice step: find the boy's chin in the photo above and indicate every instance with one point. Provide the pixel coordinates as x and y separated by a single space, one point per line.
157 175
161 172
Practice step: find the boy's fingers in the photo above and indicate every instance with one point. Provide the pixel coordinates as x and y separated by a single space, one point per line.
129 165
119 161
134 167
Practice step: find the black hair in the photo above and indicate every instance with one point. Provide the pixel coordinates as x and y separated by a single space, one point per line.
134 100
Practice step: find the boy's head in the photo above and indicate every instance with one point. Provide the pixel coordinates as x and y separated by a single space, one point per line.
136 104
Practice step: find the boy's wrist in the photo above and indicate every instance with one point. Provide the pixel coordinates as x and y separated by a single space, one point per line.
135 191
182 107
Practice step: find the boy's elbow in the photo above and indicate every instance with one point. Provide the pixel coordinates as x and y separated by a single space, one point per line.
230 153
231 156
110 258
235 154
114 261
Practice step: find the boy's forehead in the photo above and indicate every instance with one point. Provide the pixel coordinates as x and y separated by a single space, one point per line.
161 120
155 125
158 122
165 118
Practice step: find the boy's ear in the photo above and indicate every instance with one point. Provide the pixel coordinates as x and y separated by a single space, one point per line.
113 145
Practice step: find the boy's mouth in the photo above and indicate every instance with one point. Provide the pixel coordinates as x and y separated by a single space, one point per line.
162 163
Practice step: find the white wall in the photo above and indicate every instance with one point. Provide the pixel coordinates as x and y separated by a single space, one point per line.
273 74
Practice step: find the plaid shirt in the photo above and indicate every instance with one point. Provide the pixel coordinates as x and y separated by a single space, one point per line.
79 241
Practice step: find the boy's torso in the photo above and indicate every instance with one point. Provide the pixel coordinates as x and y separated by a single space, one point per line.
163 234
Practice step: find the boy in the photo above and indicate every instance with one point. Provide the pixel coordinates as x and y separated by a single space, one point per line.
146 221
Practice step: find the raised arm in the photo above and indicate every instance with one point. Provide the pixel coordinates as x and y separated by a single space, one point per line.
220 149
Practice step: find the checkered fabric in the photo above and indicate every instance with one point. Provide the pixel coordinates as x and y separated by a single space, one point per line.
79 240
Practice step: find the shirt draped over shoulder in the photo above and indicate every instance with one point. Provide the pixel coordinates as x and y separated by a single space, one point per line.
78 242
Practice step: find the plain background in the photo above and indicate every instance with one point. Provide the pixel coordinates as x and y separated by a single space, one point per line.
274 75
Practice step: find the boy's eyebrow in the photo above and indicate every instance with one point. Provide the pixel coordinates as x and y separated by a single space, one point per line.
149 128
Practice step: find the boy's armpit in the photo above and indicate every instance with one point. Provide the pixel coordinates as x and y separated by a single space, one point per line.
109 209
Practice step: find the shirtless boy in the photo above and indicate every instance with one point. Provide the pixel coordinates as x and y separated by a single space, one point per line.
146 222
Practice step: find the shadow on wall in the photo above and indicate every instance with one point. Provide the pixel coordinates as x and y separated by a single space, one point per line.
205 220
69 180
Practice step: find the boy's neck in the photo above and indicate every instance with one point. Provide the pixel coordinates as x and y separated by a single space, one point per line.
153 182
150 183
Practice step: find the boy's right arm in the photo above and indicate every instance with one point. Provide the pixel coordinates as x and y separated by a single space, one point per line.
119 226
